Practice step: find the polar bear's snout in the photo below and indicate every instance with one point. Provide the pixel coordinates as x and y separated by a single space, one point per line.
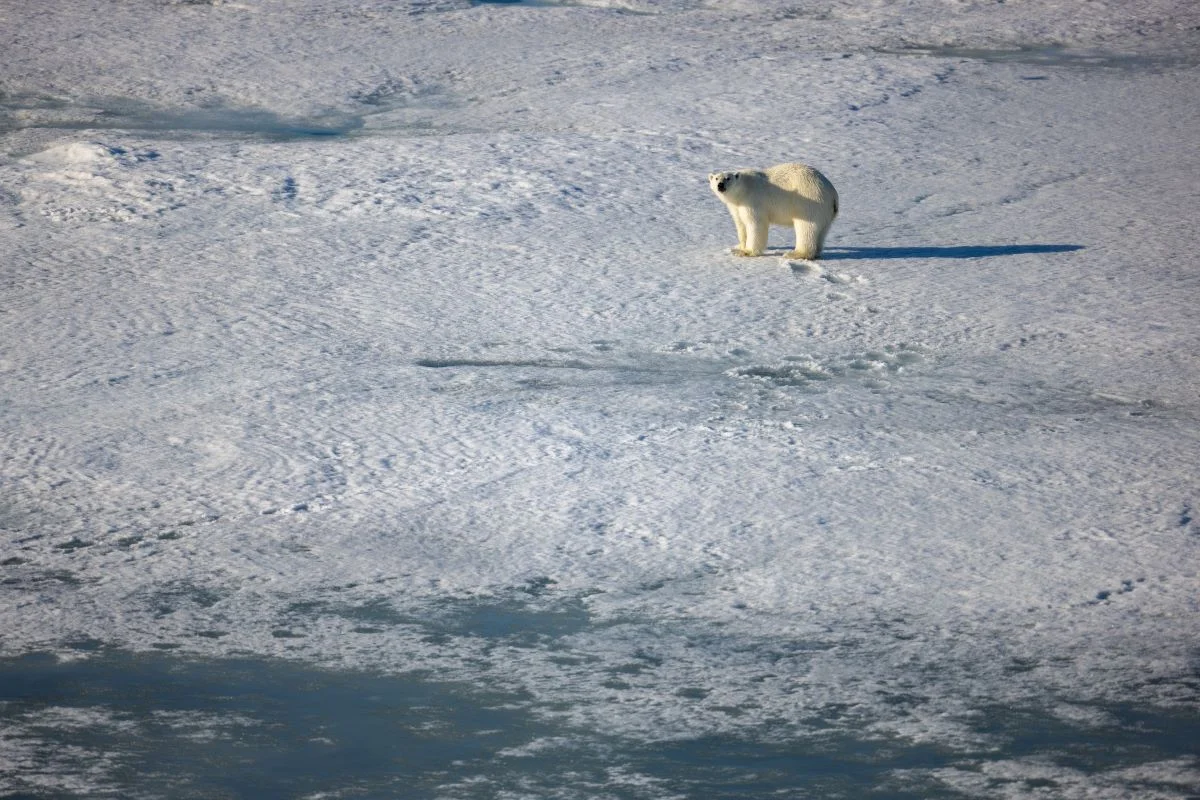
720 181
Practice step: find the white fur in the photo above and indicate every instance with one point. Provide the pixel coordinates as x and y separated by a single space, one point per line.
786 194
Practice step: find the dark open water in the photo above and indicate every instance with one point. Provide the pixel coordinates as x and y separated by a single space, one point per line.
117 724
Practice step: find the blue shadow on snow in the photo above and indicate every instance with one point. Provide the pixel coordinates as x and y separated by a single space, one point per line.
960 251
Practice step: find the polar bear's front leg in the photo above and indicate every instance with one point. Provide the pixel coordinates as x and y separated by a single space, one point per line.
741 231
755 228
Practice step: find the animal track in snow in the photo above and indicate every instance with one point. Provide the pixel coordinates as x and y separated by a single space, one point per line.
683 360
803 370
287 191
1026 341
1105 596
813 269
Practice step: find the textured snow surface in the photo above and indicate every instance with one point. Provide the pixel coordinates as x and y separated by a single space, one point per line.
404 337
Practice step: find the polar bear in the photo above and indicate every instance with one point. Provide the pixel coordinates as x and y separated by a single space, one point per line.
786 194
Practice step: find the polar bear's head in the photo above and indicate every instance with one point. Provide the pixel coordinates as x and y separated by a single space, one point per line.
722 182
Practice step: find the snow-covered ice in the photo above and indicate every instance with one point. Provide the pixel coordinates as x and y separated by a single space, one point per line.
402 339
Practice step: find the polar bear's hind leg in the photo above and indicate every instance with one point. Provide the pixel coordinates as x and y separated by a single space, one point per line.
810 240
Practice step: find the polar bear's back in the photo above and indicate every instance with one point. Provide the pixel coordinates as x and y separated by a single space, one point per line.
805 181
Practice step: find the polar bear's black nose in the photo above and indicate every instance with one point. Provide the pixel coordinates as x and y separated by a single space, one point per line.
720 186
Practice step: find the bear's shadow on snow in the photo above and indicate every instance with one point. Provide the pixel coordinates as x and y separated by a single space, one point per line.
959 251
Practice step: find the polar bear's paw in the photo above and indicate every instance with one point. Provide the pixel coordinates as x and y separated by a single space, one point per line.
802 255
741 251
